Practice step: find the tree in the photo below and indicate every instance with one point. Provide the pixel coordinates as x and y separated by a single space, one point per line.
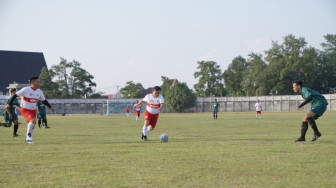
210 80
328 64
132 90
73 81
291 60
49 88
179 97
62 77
234 75
253 76
80 81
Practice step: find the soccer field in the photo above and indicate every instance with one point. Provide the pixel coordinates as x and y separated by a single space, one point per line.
234 151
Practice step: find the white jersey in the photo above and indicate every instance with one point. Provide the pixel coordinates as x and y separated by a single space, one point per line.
153 104
30 97
258 106
137 108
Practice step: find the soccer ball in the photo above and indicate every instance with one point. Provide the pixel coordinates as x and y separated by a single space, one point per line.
164 138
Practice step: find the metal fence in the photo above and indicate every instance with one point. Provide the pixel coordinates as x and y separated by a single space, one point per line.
227 104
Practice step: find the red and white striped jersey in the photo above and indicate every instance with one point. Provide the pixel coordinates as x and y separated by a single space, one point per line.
30 97
153 103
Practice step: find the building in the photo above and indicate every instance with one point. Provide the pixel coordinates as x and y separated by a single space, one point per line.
19 67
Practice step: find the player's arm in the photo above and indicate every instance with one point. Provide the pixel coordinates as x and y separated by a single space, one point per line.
49 106
305 102
11 101
142 101
161 106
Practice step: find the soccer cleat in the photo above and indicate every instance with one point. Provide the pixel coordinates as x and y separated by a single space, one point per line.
315 137
29 141
47 127
39 126
15 135
29 137
144 138
300 139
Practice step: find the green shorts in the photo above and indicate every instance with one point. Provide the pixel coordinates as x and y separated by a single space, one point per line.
319 110
9 121
41 116
215 111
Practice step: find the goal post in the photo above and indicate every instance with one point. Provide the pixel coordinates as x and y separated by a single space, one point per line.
118 106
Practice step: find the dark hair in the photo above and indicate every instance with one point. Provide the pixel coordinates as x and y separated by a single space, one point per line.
215 99
297 82
32 79
157 88
13 90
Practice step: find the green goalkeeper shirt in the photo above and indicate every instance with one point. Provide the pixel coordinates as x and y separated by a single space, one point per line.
215 106
13 105
317 100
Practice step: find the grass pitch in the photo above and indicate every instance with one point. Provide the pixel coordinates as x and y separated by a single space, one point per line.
234 151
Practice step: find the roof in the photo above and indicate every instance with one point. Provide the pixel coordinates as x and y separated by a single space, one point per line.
19 67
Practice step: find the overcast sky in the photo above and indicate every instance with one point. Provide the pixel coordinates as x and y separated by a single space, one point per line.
140 40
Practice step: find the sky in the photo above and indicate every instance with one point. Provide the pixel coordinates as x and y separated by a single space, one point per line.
142 40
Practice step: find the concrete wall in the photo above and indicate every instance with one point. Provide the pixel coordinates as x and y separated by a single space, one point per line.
227 104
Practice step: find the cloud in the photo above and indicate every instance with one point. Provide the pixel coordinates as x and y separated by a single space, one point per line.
259 45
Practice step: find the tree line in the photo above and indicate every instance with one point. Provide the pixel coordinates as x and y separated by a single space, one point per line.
67 80
254 75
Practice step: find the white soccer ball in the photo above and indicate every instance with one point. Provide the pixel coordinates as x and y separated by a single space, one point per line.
164 138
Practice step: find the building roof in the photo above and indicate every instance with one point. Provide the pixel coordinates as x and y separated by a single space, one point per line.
19 67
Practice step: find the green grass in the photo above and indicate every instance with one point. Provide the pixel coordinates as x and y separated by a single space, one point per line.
235 151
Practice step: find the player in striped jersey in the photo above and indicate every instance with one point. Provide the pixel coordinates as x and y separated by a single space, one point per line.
155 103
30 95
137 111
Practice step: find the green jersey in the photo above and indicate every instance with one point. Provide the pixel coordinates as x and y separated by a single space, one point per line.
317 100
215 106
41 107
12 106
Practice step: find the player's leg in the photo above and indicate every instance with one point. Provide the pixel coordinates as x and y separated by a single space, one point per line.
145 130
46 123
39 121
256 114
30 129
152 122
30 116
16 127
214 117
216 114
44 117
304 127
260 115
314 114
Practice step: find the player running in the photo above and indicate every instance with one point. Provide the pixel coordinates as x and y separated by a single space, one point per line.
41 114
127 111
30 96
155 103
258 109
318 107
137 111
215 106
10 113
